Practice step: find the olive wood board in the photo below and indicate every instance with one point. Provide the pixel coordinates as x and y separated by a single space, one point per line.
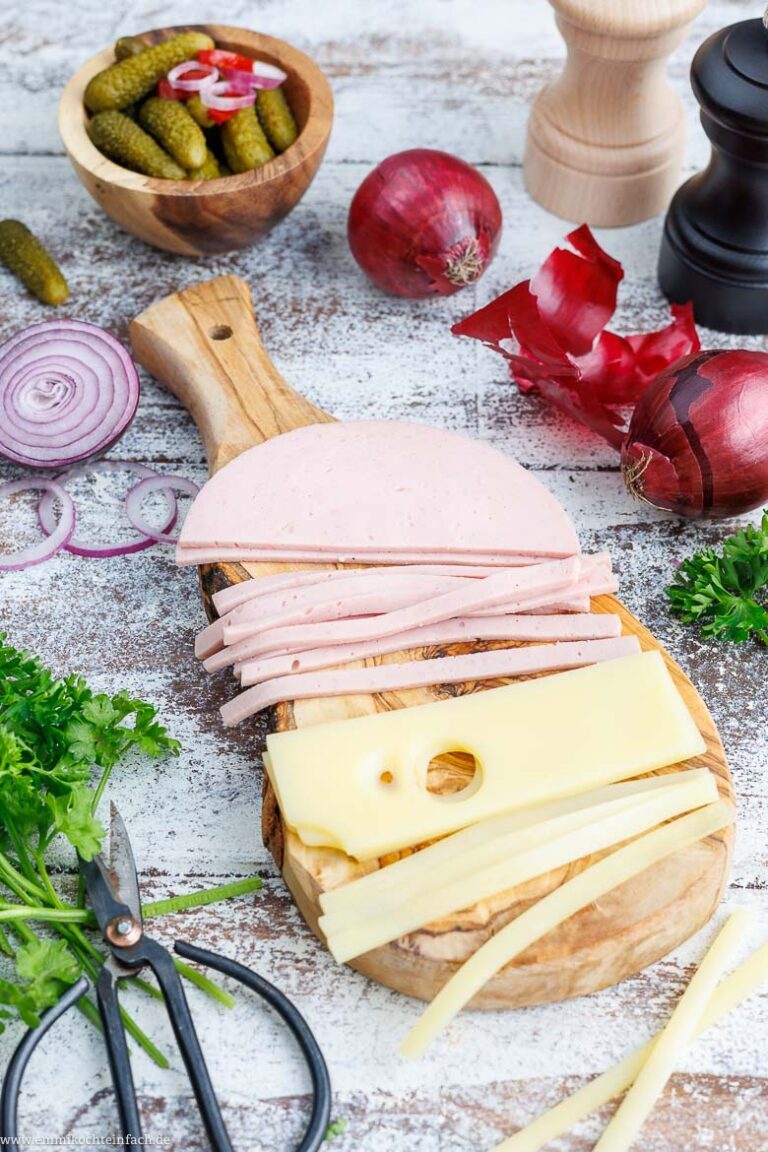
203 344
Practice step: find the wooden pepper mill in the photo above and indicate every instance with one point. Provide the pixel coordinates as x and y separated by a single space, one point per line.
714 250
605 140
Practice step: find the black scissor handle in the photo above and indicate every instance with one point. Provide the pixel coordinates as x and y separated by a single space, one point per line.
314 1134
9 1097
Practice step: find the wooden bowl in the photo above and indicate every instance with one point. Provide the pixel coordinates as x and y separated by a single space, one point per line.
202 217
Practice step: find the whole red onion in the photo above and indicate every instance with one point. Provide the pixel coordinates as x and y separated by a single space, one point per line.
697 442
424 223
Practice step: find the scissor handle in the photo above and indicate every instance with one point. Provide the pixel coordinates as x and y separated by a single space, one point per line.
9 1097
314 1134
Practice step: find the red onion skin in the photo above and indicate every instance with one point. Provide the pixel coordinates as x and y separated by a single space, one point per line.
424 223
697 444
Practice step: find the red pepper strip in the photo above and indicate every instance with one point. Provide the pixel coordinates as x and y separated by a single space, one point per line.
219 117
167 91
221 59
556 343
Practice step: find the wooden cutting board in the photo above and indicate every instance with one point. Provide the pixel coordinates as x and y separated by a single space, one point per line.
203 344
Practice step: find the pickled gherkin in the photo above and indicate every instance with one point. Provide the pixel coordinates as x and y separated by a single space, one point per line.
199 112
126 143
23 254
244 143
172 126
129 46
208 170
131 79
276 118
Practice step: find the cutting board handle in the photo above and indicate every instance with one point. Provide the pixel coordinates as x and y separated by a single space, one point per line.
204 346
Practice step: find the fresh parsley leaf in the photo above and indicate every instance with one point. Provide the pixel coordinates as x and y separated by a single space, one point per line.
73 815
726 592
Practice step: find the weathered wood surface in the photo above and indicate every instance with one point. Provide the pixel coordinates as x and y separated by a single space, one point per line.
470 69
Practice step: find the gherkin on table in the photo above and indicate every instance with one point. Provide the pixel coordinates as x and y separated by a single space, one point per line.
126 143
131 79
24 255
172 126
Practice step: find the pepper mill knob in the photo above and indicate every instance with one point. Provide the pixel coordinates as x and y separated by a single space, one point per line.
714 249
605 140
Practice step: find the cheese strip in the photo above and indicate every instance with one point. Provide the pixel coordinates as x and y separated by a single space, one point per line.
525 828
652 1079
228 598
577 893
413 908
534 742
499 663
512 585
733 990
523 629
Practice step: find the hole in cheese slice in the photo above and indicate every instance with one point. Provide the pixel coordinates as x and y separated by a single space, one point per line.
373 487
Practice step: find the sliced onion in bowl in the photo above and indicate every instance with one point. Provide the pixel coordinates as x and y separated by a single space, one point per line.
182 77
140 491
262 76
53 542
221 98
83 547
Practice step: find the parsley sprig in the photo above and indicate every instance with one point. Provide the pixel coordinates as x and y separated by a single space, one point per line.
53 734
726 591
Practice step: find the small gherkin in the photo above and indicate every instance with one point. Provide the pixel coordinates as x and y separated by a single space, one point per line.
129 46
244 143
126 143
131 79
24 255
172 126
276 118
208 170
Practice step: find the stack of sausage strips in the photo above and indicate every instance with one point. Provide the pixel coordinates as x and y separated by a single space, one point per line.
467 546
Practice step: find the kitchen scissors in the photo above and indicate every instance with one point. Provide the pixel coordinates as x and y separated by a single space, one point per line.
113 892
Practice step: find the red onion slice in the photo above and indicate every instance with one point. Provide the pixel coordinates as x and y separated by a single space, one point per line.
179 76
53 543
68 390
220 98
262 76
156 483
47 513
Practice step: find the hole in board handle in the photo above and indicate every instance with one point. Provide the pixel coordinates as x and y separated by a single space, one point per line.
220 332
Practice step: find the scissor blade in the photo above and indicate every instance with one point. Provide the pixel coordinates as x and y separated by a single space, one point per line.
122 866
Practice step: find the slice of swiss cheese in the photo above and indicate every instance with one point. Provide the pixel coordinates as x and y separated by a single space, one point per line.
360 785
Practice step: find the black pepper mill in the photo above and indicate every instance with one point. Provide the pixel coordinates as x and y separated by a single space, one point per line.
714 250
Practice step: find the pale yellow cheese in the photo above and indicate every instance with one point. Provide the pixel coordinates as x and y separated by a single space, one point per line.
361 785
484 843
637 1105
397 913
559 905
729 994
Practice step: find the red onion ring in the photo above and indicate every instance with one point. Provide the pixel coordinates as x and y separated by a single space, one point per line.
262 76
47 517
219 97
196 83
67 391
56 540
135 498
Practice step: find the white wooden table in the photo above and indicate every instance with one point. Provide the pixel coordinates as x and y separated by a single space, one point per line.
459 75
